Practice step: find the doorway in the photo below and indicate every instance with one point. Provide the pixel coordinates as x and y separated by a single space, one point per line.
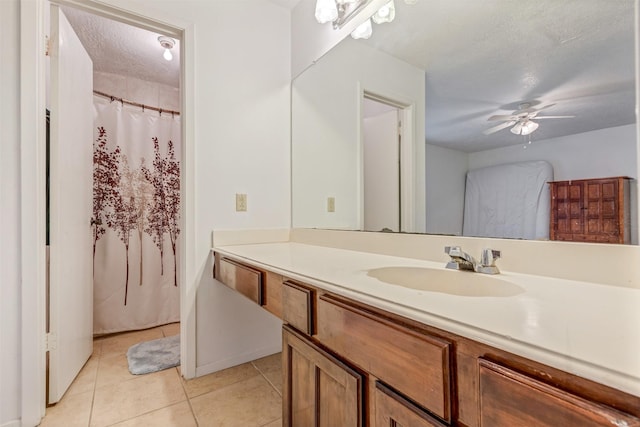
386 164
124 218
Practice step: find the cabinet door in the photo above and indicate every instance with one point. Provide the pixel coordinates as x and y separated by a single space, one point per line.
393 410
319 390
567 216
510 399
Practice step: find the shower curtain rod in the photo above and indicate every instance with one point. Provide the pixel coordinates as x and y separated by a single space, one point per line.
136 104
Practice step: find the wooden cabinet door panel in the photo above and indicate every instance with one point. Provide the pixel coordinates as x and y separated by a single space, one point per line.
511 399
319 390
416 363
593 210
297 305
244 279
273 293
392 410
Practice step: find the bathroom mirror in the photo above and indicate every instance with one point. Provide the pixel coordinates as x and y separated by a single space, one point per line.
440 71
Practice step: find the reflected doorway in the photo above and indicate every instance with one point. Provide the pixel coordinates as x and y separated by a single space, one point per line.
381 160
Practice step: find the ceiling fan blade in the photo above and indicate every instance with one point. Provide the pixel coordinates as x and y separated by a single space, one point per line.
502 117
544 107
532 109
554 117
499 127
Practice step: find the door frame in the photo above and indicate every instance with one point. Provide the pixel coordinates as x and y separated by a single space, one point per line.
33 30
408 194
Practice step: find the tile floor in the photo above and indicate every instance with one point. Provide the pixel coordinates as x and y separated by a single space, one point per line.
106 394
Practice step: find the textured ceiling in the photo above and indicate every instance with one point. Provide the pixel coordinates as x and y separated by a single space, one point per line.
289 4
123 49
485 57
481 58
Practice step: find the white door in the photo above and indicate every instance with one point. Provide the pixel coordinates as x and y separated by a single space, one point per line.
71 181
381 160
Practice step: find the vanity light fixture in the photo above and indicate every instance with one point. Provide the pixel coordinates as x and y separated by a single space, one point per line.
167 43
363 31
385 14
340 12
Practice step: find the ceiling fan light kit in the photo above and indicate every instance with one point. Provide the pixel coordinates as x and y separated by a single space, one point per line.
521 120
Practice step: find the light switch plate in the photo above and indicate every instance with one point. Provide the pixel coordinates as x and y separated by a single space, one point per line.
241 202
331 204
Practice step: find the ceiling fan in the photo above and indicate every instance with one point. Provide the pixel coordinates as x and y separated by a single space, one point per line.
521 120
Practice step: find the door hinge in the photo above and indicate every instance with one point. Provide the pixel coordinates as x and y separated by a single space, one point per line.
51 341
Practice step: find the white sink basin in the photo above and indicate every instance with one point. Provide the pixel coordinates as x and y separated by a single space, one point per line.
452 282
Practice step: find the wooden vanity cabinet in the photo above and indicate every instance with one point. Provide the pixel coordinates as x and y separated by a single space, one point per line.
590 210
348 364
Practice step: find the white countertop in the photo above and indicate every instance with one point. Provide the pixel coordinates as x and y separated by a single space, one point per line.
583 328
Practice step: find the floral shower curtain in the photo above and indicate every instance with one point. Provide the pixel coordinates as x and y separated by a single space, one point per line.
136 204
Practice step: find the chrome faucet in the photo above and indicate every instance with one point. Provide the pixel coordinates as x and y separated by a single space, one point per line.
461 260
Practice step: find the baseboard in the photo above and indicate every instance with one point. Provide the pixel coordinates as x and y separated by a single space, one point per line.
235 361
14 423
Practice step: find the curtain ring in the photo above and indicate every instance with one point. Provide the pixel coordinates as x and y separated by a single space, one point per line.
160 111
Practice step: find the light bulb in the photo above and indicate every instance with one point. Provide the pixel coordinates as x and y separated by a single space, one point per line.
167 55
363 31
326 11
385 14
529 127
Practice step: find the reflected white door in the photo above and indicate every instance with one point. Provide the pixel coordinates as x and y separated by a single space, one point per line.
71 181
381 164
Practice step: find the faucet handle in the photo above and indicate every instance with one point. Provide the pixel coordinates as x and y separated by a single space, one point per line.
489 257
453 250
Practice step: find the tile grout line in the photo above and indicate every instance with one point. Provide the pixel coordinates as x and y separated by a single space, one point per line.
267 379
184 388
95 386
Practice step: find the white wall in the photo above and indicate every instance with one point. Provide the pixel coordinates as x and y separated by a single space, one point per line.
310 40
326 140
240 143
241 108
446 172
10 214
136 90
601 153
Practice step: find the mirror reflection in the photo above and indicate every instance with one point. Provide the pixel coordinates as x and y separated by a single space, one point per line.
456 117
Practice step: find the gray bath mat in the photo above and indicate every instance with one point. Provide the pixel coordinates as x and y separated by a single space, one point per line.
152 356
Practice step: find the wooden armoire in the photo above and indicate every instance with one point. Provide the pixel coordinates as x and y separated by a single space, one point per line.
590 210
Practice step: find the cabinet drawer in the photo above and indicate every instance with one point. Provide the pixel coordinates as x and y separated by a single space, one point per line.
413 363
509 398
394 410
297 306
244 279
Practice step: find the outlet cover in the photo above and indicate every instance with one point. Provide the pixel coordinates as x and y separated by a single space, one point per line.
331 204
241 202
